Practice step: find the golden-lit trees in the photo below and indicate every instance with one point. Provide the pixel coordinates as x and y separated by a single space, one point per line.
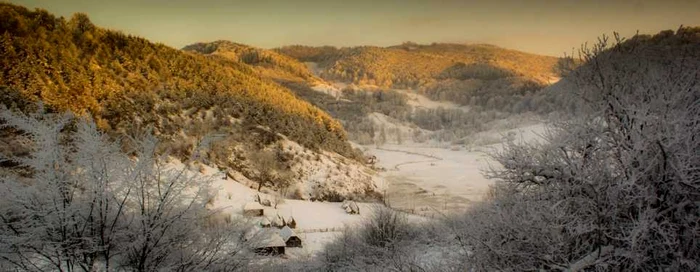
451 72
418 65
77 66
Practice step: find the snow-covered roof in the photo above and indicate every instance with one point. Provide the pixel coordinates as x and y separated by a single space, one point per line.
252 206
354 206
286 233
268 238
278 221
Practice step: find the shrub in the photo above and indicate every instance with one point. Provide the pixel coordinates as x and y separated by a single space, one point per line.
385 242
614 188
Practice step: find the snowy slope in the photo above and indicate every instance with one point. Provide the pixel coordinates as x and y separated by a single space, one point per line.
318 223
322 174
420 101
396 131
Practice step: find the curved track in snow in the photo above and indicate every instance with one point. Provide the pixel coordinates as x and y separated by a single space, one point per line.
396 167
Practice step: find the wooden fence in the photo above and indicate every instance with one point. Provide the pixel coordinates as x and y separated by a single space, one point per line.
332 229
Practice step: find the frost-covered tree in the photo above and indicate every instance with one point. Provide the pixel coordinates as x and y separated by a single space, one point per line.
617 187
76 202
271 171
385 242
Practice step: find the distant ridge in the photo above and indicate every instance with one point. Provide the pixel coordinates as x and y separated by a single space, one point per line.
412 65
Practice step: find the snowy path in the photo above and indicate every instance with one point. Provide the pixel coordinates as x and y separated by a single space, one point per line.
396 167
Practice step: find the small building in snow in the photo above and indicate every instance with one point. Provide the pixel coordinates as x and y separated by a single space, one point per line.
371 160
265 222
291 239
278 222
268 242
253 209
355 208
351 207
292 223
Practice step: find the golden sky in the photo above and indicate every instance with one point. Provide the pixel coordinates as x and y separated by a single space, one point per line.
549 27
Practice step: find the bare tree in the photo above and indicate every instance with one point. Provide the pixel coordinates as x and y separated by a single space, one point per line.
267 165
86 206
272 172
387 241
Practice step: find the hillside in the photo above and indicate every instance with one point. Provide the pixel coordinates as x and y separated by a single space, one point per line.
74 65
130 85
493 95
298 78
413 65
269 63
451 72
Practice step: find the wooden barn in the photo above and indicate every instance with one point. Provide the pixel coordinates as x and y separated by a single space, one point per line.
268 242
290 238
253 209
292 223
351 207
278 222
265 222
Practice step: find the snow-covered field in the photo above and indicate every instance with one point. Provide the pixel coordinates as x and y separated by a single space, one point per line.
428 180
425 179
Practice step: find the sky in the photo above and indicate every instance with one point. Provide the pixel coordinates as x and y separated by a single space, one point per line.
549 27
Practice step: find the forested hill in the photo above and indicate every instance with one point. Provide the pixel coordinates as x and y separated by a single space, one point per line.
269 63
127 82
453 72
413 65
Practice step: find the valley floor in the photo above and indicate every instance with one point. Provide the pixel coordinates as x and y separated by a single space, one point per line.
430 181
421 180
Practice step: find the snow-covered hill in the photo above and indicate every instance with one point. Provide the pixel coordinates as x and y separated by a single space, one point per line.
318 223
321 175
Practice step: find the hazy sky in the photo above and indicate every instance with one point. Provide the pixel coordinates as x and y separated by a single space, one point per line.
549 27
